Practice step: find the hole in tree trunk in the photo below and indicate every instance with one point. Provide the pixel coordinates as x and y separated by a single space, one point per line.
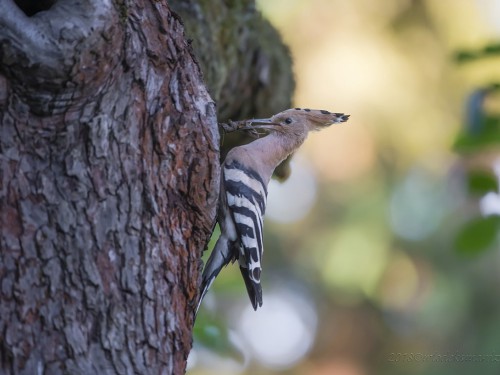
31 7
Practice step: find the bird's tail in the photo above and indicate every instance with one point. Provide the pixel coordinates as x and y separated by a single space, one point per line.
221 255
254 289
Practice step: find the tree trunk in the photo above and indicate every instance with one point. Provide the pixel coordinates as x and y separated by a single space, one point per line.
108 185
248 70
109 173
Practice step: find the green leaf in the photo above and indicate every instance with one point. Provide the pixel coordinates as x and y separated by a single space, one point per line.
465 56
212 333
494 87
478 235
492 49
466 143
489 135
480 182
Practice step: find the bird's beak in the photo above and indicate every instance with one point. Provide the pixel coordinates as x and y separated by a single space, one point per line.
262 123
266 124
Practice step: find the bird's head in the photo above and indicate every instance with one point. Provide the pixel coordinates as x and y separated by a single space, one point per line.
297 120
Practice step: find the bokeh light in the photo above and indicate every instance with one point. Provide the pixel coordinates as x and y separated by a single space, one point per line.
299 188
354 259
401 286
418 205
283 330
490 203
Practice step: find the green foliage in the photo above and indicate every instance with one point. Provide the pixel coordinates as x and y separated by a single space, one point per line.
480 182
466 56
481 133
489 135
478 235
212 332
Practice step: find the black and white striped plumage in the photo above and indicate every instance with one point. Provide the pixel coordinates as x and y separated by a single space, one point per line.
245 175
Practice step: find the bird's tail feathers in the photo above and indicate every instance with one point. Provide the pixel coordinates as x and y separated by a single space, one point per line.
221 255
254 289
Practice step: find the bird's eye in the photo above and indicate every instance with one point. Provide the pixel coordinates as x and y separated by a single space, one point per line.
288 120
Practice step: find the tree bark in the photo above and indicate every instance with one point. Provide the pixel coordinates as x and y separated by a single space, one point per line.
247 68
109 177
108 184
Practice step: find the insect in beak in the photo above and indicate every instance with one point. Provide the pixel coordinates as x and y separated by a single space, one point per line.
257 126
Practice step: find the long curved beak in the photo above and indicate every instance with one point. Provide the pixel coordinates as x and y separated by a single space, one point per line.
263 123
258 121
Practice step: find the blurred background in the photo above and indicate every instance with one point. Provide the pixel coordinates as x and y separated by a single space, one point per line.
381 250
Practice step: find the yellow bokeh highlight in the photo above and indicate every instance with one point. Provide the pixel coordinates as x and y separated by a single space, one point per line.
354 260
400 285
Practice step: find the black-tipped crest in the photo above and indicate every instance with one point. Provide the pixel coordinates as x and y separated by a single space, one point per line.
312 117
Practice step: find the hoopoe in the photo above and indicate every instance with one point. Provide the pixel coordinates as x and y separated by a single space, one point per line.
245 175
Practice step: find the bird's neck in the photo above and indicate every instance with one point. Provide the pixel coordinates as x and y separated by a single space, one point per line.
276 147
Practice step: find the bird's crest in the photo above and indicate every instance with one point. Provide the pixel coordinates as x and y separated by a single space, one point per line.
318 117
296 119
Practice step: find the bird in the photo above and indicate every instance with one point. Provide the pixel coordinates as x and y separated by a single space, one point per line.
245 175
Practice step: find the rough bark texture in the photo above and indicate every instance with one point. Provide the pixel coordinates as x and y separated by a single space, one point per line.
247 68
109 172
108 184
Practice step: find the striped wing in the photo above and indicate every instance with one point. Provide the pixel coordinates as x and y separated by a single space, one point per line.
246 195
